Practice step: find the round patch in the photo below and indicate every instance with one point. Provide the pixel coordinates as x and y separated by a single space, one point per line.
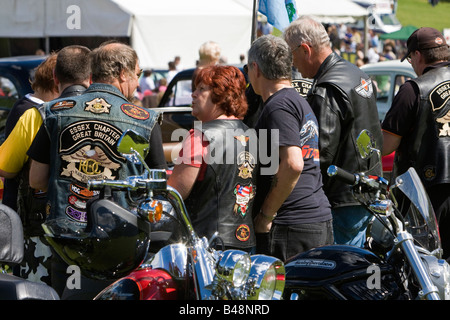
135 112
429 173
243 232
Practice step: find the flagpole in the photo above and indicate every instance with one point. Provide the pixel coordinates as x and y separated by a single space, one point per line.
254 20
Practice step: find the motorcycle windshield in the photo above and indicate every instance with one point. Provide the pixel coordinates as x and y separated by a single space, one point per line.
420 218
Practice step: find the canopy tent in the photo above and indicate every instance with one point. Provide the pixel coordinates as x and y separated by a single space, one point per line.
63 18
164 29
158 30
402 34
332 11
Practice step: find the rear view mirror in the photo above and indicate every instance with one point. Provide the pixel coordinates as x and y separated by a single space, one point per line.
131 142
366 144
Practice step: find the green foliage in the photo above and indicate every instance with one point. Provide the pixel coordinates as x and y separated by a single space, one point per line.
421 13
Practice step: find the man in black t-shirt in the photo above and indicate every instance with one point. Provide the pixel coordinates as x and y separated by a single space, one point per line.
294 213
417 125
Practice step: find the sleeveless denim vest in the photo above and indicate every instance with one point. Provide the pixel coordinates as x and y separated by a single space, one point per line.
84 132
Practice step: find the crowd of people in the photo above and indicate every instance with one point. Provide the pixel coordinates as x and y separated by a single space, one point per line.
279 207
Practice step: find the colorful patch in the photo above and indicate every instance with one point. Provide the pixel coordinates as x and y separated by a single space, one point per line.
246 163
243 196
365 89
76 215
77 203
82 192
135 112
243 232
66 104
97 105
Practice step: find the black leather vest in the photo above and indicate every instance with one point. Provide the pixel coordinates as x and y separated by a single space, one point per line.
427 148
222 201
355 94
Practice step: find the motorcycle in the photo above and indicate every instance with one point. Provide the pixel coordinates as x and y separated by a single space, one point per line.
11 253
401 259
178 264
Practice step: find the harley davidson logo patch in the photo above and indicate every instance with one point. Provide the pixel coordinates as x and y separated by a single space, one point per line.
365 89
243 232
135 112
98 105
66 104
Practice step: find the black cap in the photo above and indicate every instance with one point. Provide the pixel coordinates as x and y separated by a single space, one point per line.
424 38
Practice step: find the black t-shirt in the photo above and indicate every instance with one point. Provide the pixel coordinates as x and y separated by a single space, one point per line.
287 113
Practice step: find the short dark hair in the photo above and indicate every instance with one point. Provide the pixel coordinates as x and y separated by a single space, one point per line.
72 65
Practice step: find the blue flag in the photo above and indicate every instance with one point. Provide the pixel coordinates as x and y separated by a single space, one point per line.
279 13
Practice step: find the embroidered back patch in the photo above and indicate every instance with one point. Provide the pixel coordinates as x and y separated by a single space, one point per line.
440 95
135 112
60 105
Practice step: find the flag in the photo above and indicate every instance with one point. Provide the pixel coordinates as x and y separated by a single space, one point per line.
279 13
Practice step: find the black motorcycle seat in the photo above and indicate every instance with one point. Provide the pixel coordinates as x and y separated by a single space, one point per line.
15 288
11 236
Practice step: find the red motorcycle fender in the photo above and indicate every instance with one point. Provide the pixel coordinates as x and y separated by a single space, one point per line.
154 284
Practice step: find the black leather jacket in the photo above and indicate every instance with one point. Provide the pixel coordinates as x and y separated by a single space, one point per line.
344 101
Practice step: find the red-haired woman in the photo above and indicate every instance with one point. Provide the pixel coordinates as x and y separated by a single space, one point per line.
216 169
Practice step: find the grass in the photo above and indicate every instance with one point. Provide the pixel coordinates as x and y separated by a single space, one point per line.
421 13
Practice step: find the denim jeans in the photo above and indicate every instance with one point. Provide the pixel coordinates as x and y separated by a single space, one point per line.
350 225
285 241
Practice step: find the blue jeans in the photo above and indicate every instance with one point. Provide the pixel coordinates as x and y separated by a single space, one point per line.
285 241
350 225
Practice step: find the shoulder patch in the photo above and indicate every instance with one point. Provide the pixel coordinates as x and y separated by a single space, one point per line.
65 104
97 105
365 89
135 112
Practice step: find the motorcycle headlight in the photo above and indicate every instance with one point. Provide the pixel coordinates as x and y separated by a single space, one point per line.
267 276
234 267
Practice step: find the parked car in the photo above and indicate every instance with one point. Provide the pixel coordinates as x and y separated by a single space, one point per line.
15 76
388 77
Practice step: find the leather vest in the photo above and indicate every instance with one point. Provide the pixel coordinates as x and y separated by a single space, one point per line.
427 147
222 201
357 111
84 132
31 203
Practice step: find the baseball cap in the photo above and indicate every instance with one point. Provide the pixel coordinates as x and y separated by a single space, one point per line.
424 38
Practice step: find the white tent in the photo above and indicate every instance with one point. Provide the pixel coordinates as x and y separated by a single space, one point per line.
332 11
63 18
159 30
164 29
